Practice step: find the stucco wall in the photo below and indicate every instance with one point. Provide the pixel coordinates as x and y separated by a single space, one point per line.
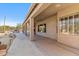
28 29
50 27
69 10
69 39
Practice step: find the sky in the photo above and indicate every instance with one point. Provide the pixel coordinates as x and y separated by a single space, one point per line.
15 13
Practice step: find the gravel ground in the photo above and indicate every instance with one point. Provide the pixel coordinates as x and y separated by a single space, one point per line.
5 39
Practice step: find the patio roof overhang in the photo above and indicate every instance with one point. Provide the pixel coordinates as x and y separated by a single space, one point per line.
41 11
32 7
51 10
35 10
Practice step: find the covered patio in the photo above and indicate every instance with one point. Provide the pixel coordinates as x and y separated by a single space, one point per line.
57 21
22 46
46 16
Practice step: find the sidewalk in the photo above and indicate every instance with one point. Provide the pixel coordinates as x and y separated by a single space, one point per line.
22 46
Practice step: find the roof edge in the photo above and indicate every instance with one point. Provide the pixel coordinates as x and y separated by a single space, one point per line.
32 7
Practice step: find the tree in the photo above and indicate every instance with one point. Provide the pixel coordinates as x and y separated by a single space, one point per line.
18 26
7 28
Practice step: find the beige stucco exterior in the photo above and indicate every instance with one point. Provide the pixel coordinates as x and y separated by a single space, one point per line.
50 27
50 14
69 39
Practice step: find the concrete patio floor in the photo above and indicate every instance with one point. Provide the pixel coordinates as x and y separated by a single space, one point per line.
22 46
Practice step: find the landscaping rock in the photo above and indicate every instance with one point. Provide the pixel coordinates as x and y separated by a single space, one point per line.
2 47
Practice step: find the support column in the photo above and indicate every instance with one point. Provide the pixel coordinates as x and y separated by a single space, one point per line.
26 28
32 29
23 28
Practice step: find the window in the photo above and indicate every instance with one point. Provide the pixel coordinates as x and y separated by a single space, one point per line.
61 25
76 24
67 24
64 24
42 28
71 24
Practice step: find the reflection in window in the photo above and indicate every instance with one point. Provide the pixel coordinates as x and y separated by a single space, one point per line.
64 24
76 24
42 28
61 25
71 24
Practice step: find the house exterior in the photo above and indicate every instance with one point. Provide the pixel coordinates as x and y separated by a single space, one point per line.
58 21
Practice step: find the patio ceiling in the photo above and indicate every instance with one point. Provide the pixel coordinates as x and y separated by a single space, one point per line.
51 10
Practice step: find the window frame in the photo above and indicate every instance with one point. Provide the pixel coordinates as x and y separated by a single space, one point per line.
68 23
43 28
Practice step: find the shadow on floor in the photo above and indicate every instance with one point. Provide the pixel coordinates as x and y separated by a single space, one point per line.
52 47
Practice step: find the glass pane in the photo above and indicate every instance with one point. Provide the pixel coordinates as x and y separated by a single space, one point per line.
61 25
76 24
42 28
64 24
71 24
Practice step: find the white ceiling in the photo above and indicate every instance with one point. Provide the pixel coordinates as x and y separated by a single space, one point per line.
52 9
